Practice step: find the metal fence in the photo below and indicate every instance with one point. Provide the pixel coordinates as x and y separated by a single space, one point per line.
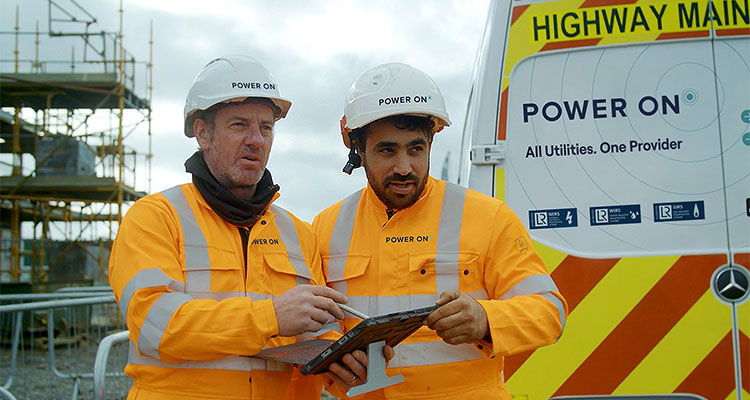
49 343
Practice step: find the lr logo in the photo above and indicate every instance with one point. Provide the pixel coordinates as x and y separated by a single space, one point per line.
540 219
665 212
602 215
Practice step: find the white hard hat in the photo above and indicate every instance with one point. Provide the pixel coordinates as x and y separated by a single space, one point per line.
393 89
229 79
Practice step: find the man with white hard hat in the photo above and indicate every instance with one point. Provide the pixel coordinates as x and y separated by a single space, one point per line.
408 240
210 272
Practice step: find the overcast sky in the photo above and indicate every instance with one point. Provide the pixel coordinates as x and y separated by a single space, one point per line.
314 49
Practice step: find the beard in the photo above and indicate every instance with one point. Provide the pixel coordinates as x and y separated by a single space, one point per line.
397 201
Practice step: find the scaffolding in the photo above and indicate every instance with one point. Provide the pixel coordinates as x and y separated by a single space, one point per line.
70 125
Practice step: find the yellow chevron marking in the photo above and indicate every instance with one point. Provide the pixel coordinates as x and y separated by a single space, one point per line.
500 183
551 257
668 364
588 325
627 23
644 21
733 395
522 43
743 318
620 39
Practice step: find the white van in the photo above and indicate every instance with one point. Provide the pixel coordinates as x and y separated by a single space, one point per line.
619 132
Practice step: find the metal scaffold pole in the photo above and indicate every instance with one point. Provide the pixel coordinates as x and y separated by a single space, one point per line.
69 125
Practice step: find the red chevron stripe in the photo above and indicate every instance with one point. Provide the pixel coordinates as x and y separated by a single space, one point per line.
713 378
644 326
501 128
575 277
742 259
605 3
682 35
568 44
733 32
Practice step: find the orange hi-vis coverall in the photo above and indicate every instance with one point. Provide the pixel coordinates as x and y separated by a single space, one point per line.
452 238
194 307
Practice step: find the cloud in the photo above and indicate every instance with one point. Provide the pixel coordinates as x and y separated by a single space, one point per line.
314 50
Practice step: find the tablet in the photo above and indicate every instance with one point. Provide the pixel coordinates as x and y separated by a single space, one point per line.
392 328
317 355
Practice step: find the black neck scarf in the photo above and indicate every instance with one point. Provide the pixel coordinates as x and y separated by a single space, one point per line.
230 207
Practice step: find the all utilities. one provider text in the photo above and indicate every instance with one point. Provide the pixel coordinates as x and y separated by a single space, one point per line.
576 149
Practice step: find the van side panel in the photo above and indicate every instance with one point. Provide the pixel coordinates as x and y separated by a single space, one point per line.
626 134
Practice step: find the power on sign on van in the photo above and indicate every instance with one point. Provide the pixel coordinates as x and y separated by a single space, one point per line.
624 134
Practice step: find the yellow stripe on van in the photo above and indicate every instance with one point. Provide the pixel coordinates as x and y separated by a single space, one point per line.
669 363
500 183
551 257
622 23
733 395
521 44
644 21
619 39
589 324
743 318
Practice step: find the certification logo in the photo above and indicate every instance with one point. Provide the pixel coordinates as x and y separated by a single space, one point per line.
679 211
553 218
615 215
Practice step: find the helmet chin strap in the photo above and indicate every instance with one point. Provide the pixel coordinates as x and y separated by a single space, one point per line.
355 161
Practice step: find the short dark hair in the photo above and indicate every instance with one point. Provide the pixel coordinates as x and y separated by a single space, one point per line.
401 121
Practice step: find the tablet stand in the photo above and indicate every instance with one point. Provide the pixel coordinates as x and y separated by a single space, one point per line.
376 377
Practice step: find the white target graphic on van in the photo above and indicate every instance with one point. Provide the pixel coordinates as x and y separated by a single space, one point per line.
631 128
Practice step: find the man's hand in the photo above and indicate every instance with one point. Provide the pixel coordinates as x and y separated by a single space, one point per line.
354 370
460 319
306 308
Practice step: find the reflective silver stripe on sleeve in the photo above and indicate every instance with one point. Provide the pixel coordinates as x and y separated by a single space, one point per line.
534 284
197 262
560 308
259 296
449 235
236 363
479 295
146 278
289 236
431 353
340 238
218 296
156 322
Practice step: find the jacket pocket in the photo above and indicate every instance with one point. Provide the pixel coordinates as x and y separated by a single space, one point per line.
431 274
218 281
287 271
345 266
340 269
